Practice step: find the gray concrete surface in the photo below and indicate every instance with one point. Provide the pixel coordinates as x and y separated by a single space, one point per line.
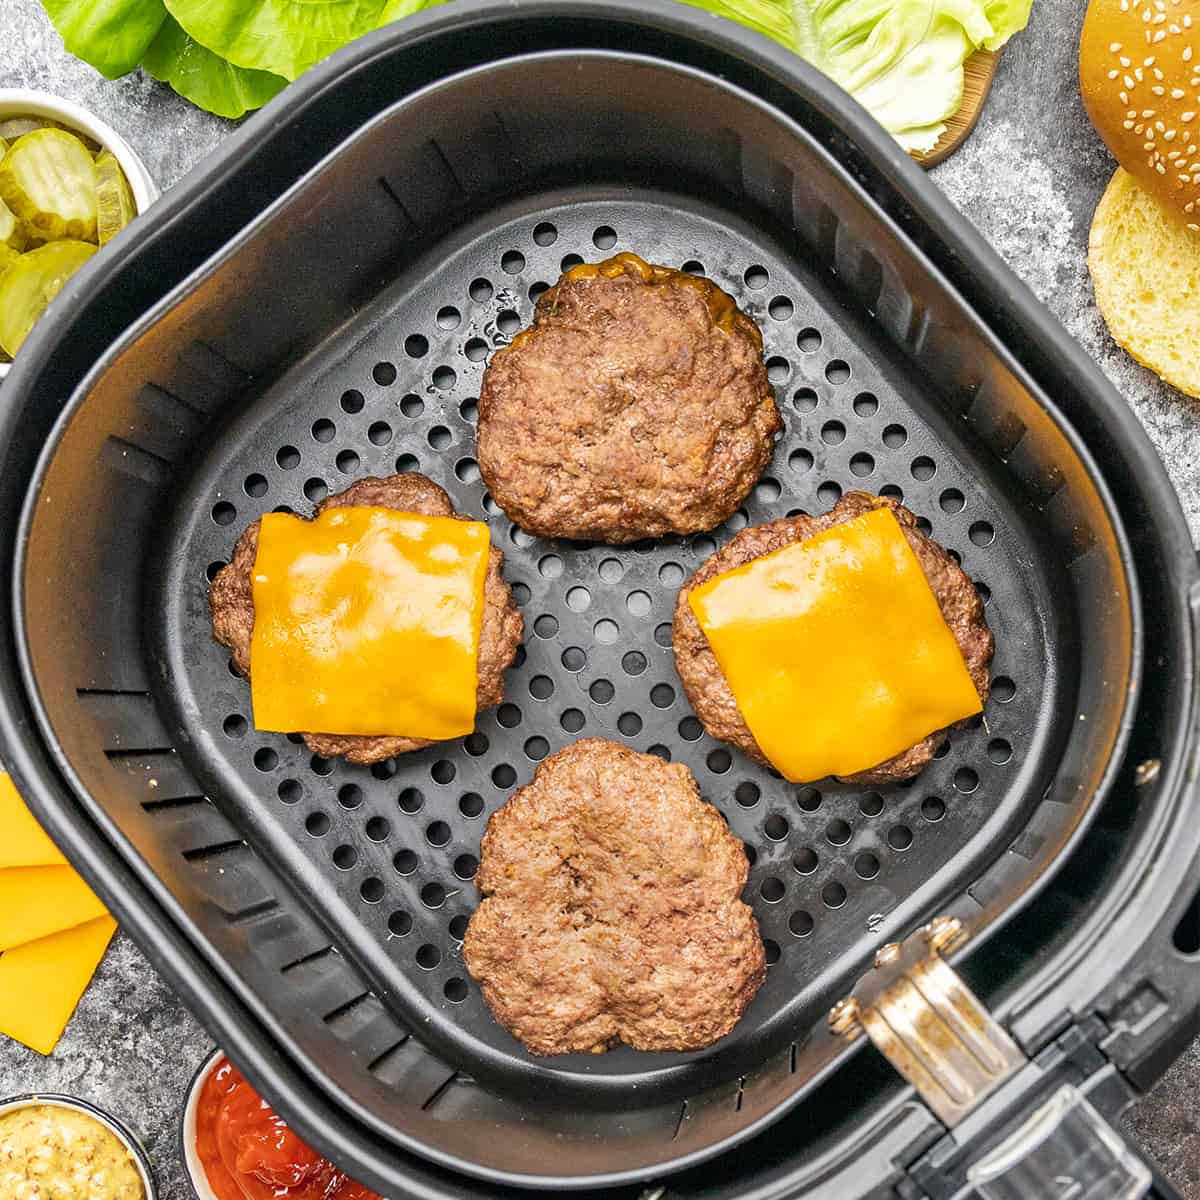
1029 179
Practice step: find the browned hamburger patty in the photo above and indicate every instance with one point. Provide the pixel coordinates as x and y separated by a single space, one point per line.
231 598
612 910
705 684
632 407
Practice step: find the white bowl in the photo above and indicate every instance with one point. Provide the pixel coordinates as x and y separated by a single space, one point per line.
123 1134
191 1160
22 102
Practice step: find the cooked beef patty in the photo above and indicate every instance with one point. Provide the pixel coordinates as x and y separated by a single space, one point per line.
636 405
231 598
705 685
612 910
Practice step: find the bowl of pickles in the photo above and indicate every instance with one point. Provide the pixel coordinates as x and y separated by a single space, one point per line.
69 184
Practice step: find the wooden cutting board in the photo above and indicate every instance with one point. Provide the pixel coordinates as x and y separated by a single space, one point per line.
978 72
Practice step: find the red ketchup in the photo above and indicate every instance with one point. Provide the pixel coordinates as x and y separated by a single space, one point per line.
250 1154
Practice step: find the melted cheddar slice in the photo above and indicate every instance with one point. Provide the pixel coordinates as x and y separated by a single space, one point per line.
366 621
836 650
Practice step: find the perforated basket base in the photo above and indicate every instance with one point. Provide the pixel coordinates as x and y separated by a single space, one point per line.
388 853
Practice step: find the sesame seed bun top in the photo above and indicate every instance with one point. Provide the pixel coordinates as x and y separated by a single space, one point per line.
1139 70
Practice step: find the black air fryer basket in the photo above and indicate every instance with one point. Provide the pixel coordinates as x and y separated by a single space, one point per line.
317 303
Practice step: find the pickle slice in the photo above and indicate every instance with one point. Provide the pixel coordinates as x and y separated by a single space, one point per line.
3 147
15 127
29 285
114 200
12 236
48 179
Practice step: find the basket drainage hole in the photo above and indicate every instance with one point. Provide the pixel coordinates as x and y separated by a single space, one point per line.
428 957
981 533
778 369
866 866
347 462
455 990
290 791
933 808
448 317
323 430
317 824
438 833
536 748
756 277
780 308
536 290
865 405
572 720
862 464
923 467
372 890
444 378
512 262
411 800
352 401
776 827
838 832
399 923
255 485
405 862
871 805
837 371
630 724
384 374
433 895
965 780
320 766
574 658
378 828
266 759
344 857
693 266
833 433
316 490
504 776
662 695
350 796
544 234
235 725
829 493
747 794
805 861
601 691
633 663
465 866
801 923
952 500
443 771
894 436
604 238
833 894
223 513
690 729
771 951
440 437
470 804
480 290
800 461
458 927
380 433
772 890
416 345
809 799
719 761
287 458
900 837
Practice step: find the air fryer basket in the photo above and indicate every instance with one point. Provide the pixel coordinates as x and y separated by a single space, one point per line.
249 389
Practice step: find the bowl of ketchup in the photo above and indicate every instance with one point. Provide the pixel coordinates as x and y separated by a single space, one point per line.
236 1147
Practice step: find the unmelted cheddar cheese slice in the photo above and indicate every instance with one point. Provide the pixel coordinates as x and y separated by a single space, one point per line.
23 843
836 650
366 621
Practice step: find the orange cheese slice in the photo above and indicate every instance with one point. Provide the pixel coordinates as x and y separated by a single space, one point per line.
366 621
23 843
836 650
41 982
37 901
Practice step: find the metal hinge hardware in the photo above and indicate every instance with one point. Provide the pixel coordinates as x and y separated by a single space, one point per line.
928 1024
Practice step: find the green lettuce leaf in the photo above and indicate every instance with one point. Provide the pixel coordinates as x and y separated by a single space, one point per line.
901 59
206 80
111 35
285 37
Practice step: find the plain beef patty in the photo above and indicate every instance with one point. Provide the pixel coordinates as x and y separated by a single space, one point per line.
636 405
231 598
612 910
705 684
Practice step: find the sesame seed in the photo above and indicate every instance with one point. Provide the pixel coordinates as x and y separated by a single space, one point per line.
1177 93
1137 74
1129 83
1124 61
1148 61
1114 48
1158 37
1195 228
1158 74
1113 74
1187 54
1187 116
1191 204
1169 136
1147 112
1159 90
1124 97
1128 124
1160 168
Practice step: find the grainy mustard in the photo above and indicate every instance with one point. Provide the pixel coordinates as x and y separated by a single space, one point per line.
52 1153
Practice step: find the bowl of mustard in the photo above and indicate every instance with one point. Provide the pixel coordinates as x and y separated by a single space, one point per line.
69 1149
